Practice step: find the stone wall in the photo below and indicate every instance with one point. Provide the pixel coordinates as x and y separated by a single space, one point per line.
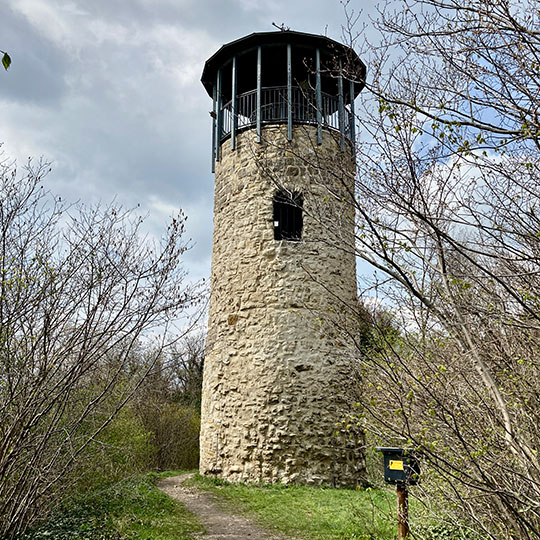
277 371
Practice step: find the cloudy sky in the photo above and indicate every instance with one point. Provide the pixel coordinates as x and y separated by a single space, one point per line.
109 92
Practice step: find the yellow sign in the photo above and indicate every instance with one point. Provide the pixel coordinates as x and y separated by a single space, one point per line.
396 465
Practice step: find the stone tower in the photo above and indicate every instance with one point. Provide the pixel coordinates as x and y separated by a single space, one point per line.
278 369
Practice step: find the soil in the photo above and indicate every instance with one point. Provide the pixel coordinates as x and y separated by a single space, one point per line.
219 523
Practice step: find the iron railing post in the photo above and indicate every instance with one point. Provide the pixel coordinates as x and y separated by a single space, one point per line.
214 135
234 112
318 91
289 92
219 123
341 107
352 126
259 90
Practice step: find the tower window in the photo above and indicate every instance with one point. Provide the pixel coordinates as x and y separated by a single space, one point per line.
288 220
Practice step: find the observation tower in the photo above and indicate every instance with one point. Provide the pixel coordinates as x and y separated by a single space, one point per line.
278 370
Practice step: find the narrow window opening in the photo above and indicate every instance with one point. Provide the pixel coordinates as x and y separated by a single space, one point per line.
288 219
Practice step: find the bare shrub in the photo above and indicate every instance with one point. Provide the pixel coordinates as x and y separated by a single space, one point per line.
79 288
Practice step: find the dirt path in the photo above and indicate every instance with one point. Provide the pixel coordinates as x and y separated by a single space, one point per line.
218 522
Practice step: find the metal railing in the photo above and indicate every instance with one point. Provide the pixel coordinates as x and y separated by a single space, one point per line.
275 110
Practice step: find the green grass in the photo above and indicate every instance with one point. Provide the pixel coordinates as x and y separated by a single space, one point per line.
314 513
131 509
136 509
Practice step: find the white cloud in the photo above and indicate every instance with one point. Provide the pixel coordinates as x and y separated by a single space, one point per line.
158 205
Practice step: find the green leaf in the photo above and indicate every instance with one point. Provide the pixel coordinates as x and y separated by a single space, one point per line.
6 61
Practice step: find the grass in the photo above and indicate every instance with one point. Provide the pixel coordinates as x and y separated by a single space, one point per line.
136 509
132 509
314 513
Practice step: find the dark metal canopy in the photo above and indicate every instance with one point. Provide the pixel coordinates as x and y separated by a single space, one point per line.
331 52
282 77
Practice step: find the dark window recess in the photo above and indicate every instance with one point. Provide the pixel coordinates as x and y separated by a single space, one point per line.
288 220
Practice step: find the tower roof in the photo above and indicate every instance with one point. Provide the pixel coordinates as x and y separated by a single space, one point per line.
353 67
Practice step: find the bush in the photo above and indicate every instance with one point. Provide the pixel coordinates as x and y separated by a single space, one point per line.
443 532
123 449
175 434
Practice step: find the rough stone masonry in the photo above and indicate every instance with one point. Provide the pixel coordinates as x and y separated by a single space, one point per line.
278 372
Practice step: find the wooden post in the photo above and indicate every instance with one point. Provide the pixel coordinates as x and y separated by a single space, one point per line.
403 512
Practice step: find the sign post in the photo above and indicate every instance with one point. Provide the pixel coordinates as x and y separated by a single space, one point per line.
403 511
402 469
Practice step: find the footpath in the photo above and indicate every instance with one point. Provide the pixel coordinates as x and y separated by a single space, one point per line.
219 523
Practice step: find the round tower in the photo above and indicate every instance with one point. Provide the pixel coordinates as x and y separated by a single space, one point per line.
278 368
